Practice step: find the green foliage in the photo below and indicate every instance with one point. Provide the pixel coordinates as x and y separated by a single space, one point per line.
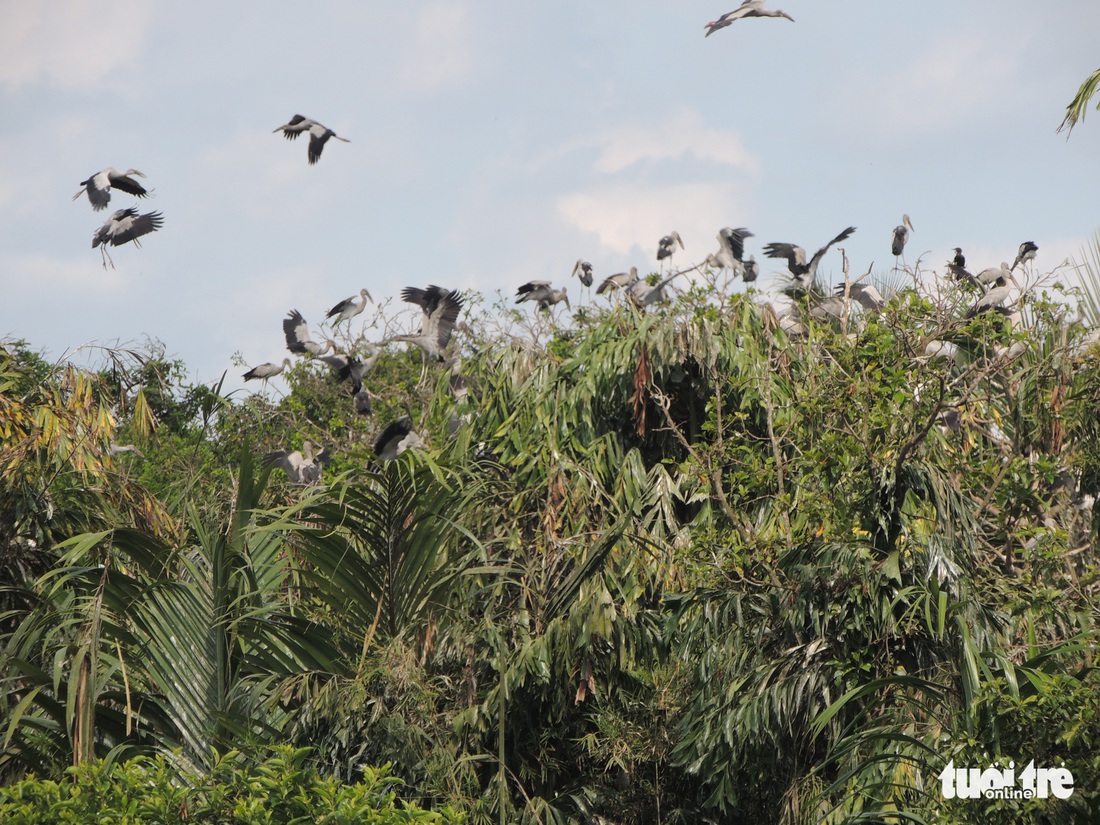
281 789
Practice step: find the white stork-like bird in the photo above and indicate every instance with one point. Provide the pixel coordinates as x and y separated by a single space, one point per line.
542 293
301 467
997 294
298 340
804 271
98 187
124 226
397 437
349 308
318 134
750 8
901 236
642 294
266 370
583 270
619 280
731 250
440 308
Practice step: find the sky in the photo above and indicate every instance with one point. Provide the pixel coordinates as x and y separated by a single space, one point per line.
494 143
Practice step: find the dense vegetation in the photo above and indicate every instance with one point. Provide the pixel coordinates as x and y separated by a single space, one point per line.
654 568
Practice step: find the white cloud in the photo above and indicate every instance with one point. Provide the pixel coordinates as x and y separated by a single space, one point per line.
631 217
672 138
72 43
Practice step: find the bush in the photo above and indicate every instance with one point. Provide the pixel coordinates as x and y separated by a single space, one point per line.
281 789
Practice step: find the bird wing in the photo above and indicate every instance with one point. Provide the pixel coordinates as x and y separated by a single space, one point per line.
129 186
133 227
821 252
296 332
441 322
289 462
795 255
733 241
393 432
340 307
98 196
295 127
316 144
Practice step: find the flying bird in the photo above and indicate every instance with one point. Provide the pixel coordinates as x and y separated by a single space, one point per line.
542 293
298 340
804 272
348 368
349 308
440 309
1026 253
901 236
318 134
266 370
583 270
750 8
124 226
618 280
301 467
397 437
98 187
667 245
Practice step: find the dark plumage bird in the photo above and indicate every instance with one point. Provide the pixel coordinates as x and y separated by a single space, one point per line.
667 245
1026 253
440 309
901 236
804 271
347 368
959 259
318 134
124 226
583 270
750 8
98 187
298 340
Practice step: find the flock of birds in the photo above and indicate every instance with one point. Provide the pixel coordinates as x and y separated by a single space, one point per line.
440 308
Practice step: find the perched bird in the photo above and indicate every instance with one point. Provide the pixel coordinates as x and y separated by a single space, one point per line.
751 270
990 274
99 186
618 280
731 249
583 270
1026 253
302 467
804 272
901 236
124 226
750 8
667 245
298 340
266 370
866 295
998 291
397 437
642 294
957 267
541 292
318 134
440 309
349 308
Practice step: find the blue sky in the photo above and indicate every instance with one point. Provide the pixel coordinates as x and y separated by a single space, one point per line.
494 143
